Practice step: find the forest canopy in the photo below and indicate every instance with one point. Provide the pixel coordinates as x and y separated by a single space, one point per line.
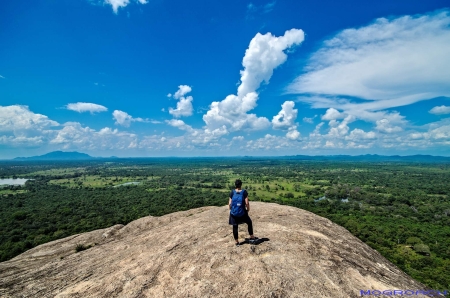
401 209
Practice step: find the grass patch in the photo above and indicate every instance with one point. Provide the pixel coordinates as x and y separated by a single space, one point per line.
81 247
94 181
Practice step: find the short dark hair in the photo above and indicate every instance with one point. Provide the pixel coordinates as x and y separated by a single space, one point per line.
238 183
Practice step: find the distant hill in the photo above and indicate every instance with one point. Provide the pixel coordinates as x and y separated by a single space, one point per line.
58 155
362 158
61 155
384 158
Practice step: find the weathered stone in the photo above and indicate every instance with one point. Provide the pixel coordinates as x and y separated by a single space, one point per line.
192 254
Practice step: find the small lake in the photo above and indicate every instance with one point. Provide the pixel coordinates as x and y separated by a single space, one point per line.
324 198
10 181
320 199
128 183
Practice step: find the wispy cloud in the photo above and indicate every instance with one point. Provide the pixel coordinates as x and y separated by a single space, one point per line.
309 120
269 7
392 62
253 9
82 107
2 77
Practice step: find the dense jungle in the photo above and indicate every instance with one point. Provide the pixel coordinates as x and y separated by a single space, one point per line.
401 209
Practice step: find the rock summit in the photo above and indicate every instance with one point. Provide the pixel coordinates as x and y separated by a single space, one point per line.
192 254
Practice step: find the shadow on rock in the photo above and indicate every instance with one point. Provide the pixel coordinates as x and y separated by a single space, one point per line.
255 242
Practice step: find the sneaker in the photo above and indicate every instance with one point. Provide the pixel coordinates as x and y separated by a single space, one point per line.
237 244
253 240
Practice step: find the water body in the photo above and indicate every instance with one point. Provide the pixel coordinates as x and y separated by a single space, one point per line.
128 183
10 181
320 199
324 198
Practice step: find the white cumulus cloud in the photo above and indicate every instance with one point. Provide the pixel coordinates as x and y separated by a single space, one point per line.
286 117
293 133
269 142
264 54
285 120
339 129
359 135
21 141
182 91
19 126
116 4
17 118
81 107
332 114
440 133
384 125
440 110
125 119
184 104
179 124
75 136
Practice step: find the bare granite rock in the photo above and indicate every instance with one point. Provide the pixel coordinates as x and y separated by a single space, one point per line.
192 254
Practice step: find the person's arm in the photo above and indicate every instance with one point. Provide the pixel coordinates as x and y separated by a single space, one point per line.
247 204
229 203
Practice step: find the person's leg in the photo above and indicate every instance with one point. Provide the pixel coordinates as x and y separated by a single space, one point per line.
235 233
250 228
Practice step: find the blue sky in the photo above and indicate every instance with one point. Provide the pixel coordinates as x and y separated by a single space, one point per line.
210 78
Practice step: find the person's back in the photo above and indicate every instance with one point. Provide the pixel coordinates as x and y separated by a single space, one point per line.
239 206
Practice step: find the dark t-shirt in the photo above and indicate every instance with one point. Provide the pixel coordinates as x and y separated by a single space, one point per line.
245 194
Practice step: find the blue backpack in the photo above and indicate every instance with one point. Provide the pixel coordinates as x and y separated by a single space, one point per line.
238 203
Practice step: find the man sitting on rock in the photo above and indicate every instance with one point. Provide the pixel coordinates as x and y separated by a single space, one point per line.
239 207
